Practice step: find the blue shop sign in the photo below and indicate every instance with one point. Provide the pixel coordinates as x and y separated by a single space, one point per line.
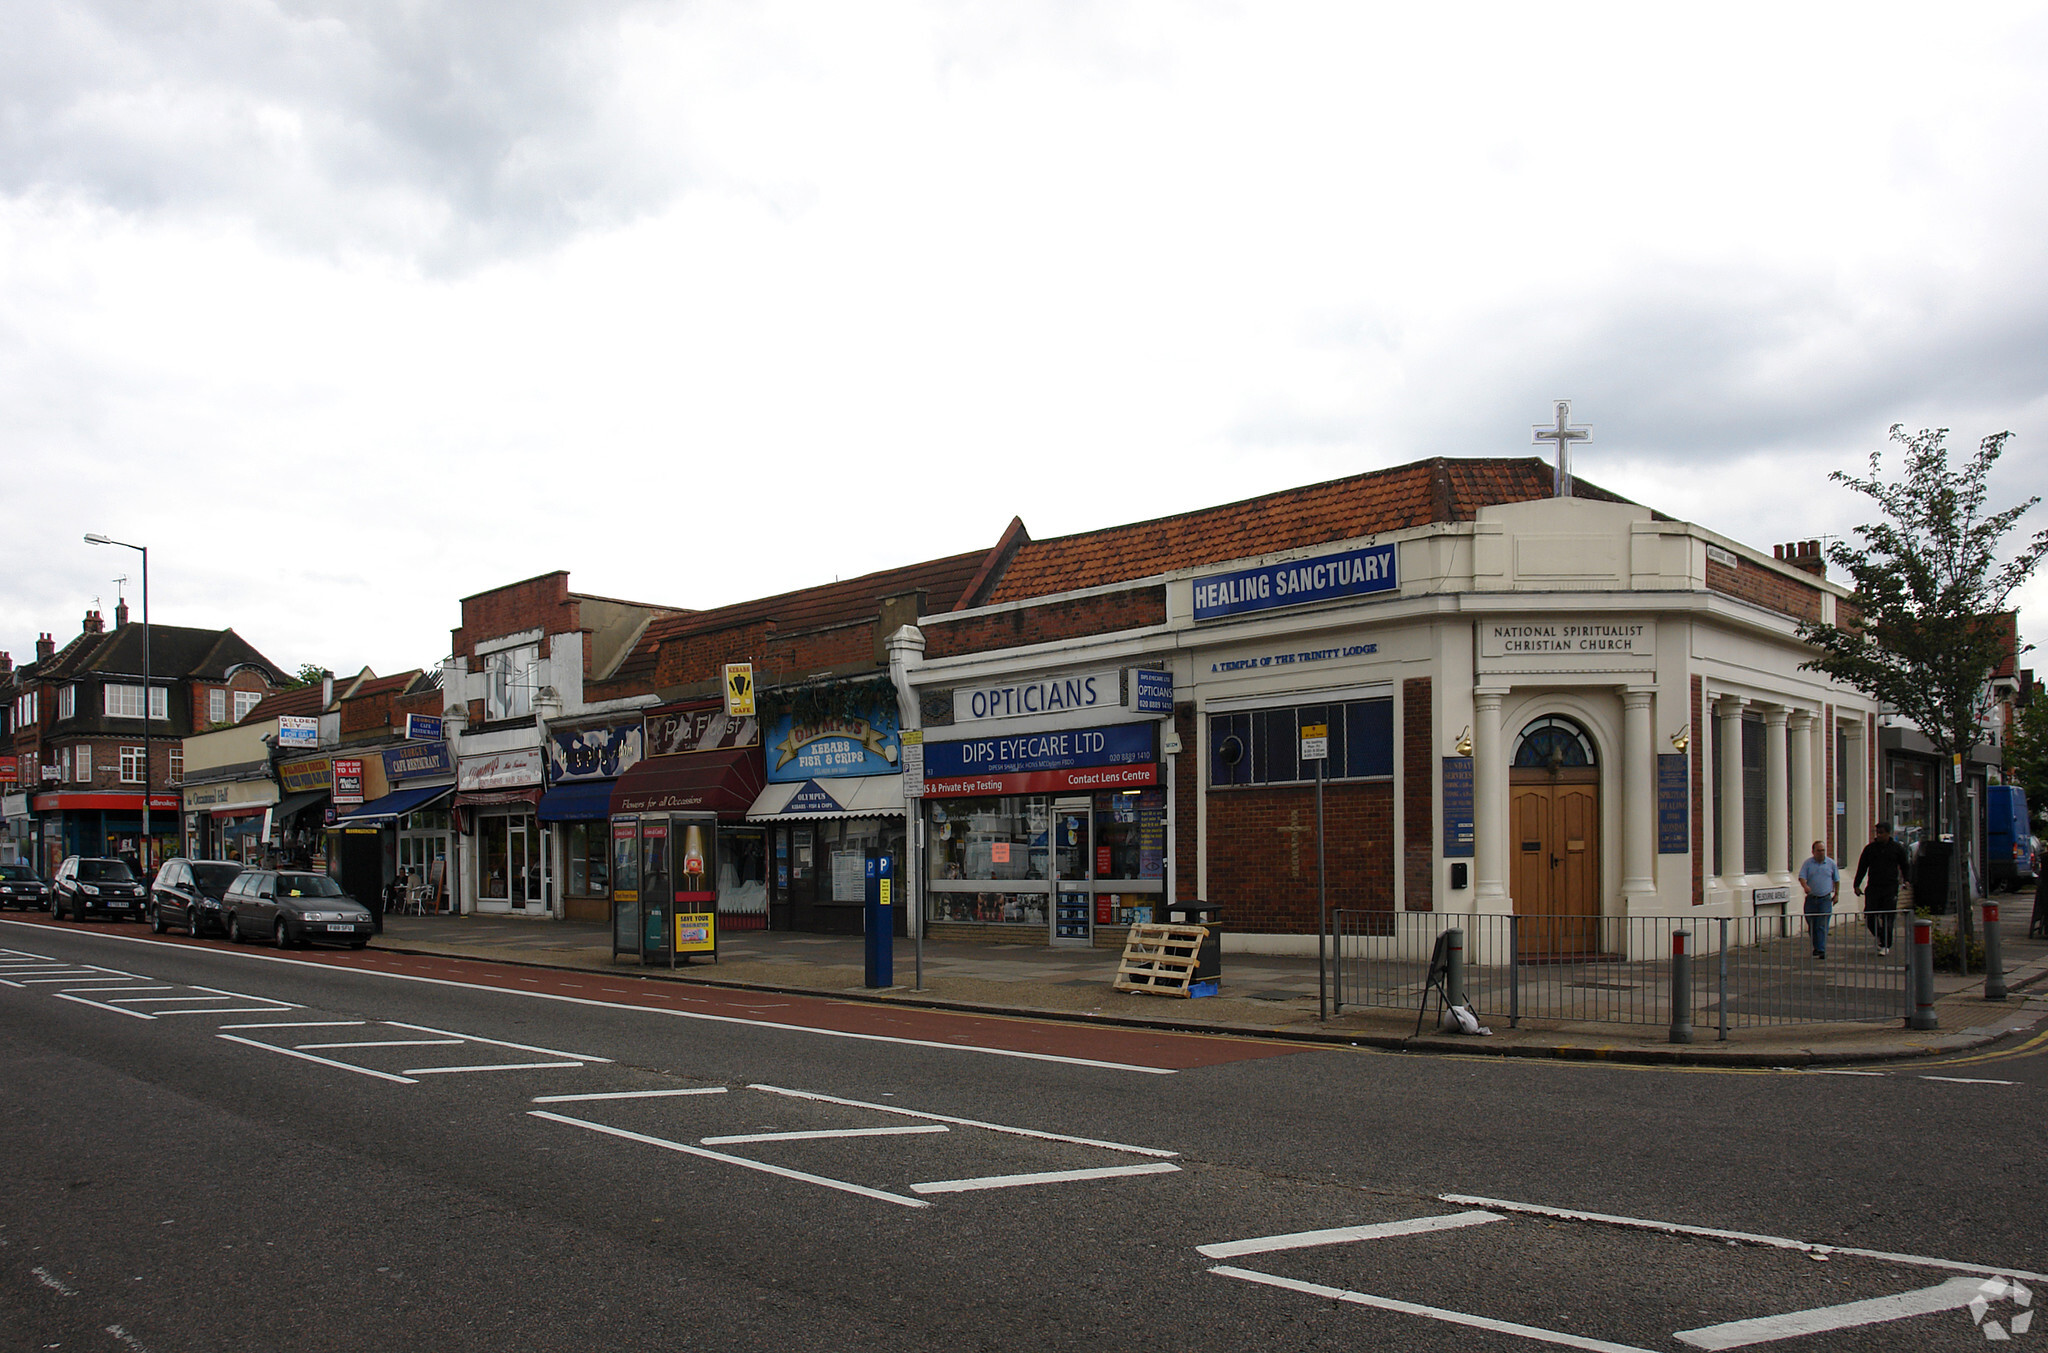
417 759
1151 691
594 753
1125 744
1296 582
834 746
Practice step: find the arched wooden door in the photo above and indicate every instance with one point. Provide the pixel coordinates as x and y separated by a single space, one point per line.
1554 813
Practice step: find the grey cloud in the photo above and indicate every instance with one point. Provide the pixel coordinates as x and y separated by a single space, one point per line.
430 130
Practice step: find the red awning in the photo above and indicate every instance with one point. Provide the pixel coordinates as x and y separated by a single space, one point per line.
242 810
492 797
726 783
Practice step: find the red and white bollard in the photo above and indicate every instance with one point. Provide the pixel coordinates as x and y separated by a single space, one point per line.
1994 959
1922 1016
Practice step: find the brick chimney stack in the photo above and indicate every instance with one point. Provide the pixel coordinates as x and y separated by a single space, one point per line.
46 648
1804 555
120 613
93 624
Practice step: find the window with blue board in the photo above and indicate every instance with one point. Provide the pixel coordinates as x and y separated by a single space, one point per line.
1263 746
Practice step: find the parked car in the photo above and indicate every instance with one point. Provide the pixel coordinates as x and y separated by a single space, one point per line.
87 886
19 887
186 895
292 907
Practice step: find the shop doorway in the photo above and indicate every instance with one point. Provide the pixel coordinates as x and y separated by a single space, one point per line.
1073 872
1554 821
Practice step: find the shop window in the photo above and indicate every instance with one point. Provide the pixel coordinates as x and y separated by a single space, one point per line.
1130 835
589 853
131 765
1263 746
994 838
494 861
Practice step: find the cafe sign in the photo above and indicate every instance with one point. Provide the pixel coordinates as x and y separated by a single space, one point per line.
516 769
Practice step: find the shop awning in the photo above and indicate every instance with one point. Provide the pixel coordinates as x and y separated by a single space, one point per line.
393 806
725 782
498 798
241 810
298 803
831 797
581 801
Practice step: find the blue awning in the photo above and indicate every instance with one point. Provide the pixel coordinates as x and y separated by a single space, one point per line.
393 806
580 801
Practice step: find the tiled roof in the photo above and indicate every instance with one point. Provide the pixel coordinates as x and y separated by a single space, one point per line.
300 701
942 580
1439 490
174 651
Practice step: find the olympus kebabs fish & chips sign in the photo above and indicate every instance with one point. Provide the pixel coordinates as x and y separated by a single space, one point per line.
1297 582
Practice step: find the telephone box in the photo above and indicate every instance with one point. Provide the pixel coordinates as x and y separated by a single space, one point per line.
665 887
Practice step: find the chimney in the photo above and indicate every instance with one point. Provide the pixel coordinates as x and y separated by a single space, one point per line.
6 663
93 624
46 648
1805 556
120 613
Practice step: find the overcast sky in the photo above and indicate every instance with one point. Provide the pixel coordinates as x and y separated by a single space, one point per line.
350 310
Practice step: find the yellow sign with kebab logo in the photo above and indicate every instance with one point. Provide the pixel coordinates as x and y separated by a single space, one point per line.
739 690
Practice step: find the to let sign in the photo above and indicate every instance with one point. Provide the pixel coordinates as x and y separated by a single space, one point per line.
348 780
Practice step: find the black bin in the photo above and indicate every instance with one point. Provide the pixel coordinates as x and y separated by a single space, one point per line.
1930 877
1209 958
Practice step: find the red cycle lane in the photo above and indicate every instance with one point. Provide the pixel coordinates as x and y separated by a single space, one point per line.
1020 1034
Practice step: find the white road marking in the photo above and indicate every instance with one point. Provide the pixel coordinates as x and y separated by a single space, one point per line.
497 1042
741 1161
776 1026
1966 1080
304 1024
626 1094
152 1000
966 1122
229 1010
242 995
1809 1071
498 1066
387 1043
1344 1235
66 996
1746 1237
115 979
1012 1181
1952 1295
125 987
1431 1312
323 1061
822 1135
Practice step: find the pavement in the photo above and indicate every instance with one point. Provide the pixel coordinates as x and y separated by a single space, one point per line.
1258 995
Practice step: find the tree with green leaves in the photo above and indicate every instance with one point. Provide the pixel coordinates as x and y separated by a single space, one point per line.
1923 634
309 674
2026 753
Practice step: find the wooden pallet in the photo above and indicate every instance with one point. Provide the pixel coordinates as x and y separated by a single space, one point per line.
1160 959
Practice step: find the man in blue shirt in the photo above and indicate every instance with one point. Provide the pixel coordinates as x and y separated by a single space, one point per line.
1820 878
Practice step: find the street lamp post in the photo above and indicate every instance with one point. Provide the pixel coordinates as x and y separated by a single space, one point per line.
148 758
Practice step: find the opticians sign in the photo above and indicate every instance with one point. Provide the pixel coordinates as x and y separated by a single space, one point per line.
1296 582
1117 756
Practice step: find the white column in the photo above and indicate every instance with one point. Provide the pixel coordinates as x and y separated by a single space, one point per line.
1803 834
1489 804
1729 713
1777 826
1856 793
1639 800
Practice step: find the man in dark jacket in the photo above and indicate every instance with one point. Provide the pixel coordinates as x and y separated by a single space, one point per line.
1883 862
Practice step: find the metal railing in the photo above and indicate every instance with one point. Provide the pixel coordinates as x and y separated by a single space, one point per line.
1747 971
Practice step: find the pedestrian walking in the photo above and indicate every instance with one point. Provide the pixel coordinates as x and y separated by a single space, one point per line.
1820 877
1882 864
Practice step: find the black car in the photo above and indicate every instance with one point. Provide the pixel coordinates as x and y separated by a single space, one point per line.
186 895
19 887
87 886
291 907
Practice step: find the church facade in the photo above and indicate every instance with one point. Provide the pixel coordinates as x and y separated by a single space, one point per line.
1494 699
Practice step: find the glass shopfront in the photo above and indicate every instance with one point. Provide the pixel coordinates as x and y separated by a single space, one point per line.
423 841
508 867
1057 865
819 876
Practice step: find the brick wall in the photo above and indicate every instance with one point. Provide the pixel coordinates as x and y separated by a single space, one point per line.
1765 587
1187 795
366 713
1266 884
541 603
1418 794
692 658
1074 618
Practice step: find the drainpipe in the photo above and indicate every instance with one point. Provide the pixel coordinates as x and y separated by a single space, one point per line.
906 654
454 719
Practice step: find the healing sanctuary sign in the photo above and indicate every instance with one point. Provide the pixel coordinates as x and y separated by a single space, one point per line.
1297 582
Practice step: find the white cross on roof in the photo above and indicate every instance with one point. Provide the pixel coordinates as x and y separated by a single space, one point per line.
1563 434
